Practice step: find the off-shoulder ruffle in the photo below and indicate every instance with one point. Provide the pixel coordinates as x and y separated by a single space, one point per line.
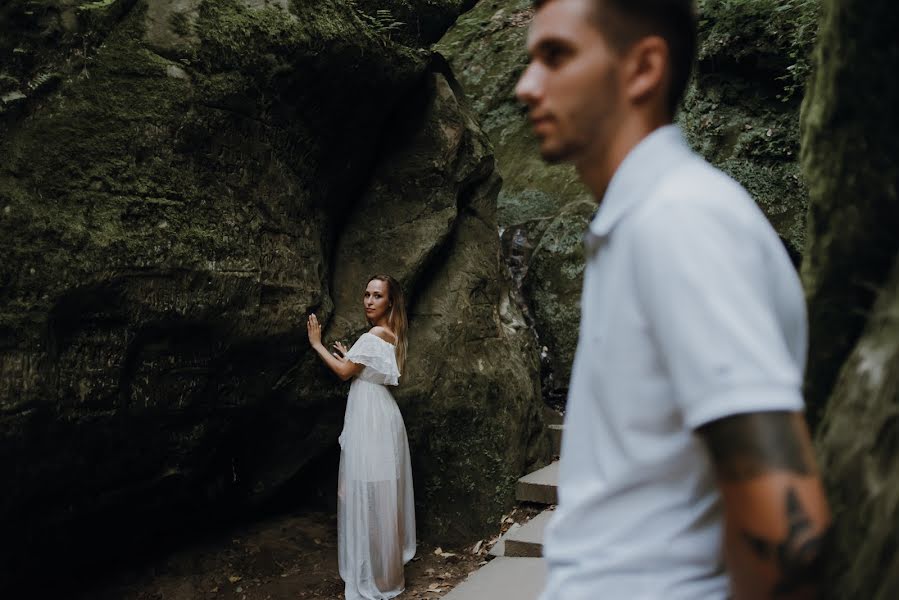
379 357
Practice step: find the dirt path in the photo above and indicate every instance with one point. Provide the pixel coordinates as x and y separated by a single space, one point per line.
288 557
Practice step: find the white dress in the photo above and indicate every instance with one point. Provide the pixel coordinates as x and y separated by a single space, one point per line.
375 506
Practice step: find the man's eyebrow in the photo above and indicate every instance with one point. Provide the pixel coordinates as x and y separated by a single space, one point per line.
550 43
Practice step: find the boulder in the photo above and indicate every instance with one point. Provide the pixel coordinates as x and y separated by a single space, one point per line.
851 276
170 211
858 442
849 138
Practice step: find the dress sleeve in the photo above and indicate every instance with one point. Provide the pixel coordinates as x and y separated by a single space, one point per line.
378 356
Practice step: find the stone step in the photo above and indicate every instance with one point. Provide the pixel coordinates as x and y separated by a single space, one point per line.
499 548
527 540
555 436
503 579
540 486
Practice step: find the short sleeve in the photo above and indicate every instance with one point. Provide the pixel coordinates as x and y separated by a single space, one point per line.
702 280
378 356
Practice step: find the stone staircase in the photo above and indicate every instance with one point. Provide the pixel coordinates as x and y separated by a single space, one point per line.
517 571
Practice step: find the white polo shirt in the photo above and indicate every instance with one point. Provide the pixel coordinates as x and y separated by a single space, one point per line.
691 311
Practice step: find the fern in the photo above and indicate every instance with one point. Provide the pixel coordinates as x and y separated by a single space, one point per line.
43 80
383 20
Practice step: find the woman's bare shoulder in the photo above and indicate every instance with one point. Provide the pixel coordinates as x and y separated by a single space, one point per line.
383 333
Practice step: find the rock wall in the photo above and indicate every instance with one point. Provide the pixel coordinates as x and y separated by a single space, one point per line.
851 275
849 141
179 183
858 445
741 113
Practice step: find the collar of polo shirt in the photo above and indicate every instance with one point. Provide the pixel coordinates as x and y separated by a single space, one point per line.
637 175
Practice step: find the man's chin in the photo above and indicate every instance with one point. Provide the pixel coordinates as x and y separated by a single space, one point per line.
554 156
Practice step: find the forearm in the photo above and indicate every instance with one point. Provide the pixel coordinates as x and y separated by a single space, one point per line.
340 366
776 532
777 518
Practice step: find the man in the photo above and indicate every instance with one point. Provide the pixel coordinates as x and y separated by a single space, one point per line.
687 471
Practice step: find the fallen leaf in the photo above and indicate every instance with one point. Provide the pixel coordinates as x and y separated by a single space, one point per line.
477 547
234 578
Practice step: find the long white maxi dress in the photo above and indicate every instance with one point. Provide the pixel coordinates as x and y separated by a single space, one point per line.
375 506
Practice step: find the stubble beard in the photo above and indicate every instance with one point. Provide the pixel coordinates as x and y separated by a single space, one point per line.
564 153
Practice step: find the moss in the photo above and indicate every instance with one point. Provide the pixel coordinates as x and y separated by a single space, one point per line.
412 22
181 24
773 35
742 110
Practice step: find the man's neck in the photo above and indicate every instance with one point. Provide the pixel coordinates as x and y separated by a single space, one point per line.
598 168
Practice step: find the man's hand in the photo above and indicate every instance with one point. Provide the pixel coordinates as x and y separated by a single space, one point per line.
777 519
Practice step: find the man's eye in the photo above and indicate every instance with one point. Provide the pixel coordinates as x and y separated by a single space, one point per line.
554 55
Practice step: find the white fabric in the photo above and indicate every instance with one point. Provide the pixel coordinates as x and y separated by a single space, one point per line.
380 365
375 505
691 311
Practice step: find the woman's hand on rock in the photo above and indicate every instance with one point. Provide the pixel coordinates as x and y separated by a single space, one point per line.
314 329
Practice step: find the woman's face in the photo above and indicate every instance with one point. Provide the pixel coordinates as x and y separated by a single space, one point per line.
375 301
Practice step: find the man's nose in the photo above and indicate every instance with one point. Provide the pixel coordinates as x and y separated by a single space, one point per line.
527 90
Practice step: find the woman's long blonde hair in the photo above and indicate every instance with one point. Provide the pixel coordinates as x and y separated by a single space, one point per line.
396 316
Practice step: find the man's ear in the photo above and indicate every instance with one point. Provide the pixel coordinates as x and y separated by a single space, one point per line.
646 75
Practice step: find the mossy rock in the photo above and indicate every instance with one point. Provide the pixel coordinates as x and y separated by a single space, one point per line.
858 442
849 141
553 283
168 213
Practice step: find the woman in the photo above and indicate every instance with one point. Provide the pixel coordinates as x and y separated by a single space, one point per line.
375 508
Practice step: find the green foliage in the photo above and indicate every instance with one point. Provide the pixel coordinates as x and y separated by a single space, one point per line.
382 21
785 30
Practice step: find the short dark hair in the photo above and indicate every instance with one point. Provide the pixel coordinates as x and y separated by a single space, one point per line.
624 22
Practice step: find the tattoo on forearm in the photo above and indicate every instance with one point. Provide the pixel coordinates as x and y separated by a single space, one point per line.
746 446
799 557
